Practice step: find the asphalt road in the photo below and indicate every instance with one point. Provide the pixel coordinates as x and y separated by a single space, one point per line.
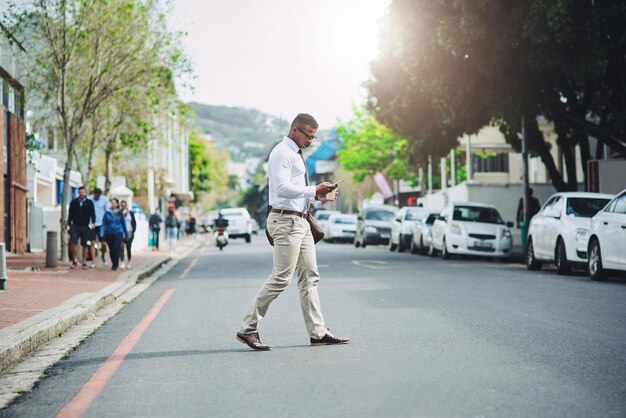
430 338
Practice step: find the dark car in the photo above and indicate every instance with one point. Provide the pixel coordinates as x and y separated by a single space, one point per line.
374 226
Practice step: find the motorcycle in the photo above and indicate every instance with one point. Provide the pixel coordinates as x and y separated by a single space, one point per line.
221 238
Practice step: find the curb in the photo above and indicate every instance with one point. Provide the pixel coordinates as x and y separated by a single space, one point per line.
19 340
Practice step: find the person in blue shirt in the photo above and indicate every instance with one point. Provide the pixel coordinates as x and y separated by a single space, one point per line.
114 228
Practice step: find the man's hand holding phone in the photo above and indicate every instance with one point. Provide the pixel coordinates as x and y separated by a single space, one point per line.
323 190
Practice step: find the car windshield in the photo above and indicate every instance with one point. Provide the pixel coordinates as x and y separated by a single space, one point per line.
379 215
431 219
344 221
413 215
477 214
323 216
584 207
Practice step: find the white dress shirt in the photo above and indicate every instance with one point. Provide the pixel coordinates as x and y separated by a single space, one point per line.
287 182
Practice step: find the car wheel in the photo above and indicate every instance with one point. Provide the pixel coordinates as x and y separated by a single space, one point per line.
248 238
444 250
423 249
401 246
531 262
414 248
594 262
560 258
392 246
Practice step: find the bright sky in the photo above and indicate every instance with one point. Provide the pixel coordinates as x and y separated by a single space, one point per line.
281 56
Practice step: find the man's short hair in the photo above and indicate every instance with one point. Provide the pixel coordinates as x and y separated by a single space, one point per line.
97 190
304 119
82 188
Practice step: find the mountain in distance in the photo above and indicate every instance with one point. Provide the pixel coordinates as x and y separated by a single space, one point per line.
246 133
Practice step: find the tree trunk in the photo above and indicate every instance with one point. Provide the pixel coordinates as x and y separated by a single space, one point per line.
538 144
107 171
599 150
64 207
569 152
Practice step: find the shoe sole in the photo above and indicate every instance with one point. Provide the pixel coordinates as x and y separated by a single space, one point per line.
318 344
254 348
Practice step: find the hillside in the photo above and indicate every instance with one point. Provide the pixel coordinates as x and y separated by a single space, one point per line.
244 132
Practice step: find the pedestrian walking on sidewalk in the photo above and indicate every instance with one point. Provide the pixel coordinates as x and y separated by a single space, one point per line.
154 224
81 220
114 226
294 248
101 205
131 227
171 228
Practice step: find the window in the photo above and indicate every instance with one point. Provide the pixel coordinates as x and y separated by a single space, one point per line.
379 215
493 164
477 214
582 207
620 205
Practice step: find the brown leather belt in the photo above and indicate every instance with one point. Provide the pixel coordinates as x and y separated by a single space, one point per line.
288 212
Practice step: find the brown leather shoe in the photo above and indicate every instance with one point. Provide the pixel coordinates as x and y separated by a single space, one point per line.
329 338
253 341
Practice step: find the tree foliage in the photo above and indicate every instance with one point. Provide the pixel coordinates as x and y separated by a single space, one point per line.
370 147
449 67
207 166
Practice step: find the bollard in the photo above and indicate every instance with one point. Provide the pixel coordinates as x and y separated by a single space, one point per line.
3 266
51 248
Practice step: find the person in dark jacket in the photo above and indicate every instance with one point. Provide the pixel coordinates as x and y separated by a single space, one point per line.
154 223
81 220
131 227
114 226
533 208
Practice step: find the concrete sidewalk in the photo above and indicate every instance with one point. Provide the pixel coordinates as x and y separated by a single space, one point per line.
40 304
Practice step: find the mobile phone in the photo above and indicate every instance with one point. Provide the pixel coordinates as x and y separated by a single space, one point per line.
338 182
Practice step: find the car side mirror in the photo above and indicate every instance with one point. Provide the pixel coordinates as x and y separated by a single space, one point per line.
509 224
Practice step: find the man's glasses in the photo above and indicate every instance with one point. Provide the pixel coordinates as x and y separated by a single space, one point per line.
310 136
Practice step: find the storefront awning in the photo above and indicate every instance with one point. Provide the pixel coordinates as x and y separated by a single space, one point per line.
325 152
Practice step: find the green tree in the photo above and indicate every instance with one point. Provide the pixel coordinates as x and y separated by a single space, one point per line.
450 67
370 147
207 166
81 54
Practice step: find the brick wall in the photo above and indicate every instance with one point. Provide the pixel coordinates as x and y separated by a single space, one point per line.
18 181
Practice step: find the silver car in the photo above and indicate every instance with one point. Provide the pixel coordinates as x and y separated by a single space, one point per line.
420 242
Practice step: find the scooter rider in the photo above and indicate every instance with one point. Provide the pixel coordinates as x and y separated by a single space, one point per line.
220 222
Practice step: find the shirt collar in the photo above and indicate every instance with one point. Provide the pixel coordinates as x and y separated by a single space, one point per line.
292 144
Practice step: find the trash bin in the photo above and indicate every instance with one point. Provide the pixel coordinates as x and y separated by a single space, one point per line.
51 248
524 235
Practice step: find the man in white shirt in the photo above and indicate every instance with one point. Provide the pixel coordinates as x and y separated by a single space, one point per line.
294 248
101 205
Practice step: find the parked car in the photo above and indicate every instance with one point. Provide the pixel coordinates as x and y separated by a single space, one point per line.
606 248
374 225
471 229
402 227
420 241
322 215
239 223
340 227
559 233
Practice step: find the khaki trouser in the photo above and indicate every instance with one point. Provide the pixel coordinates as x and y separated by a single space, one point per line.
294 250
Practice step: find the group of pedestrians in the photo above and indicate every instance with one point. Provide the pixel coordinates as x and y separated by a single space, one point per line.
172 228
96 220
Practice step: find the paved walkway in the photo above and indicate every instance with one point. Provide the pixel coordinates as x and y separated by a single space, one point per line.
31 288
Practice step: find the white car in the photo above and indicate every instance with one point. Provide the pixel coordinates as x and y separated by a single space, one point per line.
471 229
402 227
322 215
340 227
239 223
559 233
607 239
420 242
